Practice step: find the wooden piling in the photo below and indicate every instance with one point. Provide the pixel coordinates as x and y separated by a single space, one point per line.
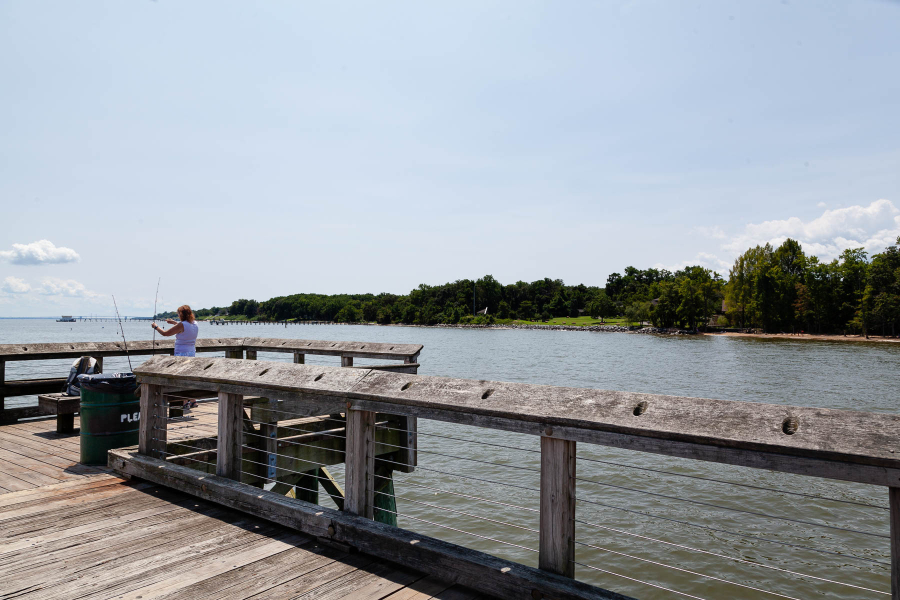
894 503
360 458
231 432
152 427
557 530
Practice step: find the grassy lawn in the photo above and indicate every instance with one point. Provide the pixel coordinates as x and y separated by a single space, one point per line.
582 321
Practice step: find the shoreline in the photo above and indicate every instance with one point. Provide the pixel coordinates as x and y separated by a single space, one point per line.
649 330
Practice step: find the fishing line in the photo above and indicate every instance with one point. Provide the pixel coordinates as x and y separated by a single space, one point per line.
122 331
154 314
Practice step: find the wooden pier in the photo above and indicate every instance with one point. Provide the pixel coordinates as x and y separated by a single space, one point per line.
406 354
70 531
282 463
63 524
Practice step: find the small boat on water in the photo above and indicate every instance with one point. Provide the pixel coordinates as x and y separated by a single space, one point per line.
66 319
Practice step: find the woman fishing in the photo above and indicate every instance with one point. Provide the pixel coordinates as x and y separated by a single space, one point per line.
185 332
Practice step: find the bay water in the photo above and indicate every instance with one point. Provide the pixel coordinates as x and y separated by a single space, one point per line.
643 520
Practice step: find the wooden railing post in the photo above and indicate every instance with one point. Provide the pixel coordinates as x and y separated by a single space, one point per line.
346 361
360 466
299 359
234 354
231 430
251 354
99 360
557 529
152 427
894 502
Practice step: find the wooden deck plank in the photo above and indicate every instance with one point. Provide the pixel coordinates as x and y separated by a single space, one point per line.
100 479
260 576
172 564
343 586
134 551
376 587
422 589
88 534
217 563
316 578
14 484
55 473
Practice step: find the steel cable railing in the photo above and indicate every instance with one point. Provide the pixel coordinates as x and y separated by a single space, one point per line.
488 491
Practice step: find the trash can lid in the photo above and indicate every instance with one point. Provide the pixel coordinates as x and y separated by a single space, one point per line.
111 383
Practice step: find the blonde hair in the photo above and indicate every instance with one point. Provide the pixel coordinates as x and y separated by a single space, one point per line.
185 313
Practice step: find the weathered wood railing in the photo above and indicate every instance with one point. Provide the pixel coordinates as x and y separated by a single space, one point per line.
232 347
839 445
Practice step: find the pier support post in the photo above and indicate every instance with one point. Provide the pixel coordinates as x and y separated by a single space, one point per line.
346 361
385 502
234 354
299 359
360 468
231 433
99 360
557 529
152 428
894 502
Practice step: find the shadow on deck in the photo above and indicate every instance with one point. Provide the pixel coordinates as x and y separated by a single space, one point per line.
71 531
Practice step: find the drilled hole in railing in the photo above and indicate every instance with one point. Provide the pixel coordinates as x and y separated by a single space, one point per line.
641 408
361 347
790 425
406 386
487 393
333 345
283 343
208 366
25 348
263 372
319 376
391 348
72 347
171 363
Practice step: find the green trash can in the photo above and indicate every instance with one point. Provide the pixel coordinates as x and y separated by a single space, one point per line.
110 414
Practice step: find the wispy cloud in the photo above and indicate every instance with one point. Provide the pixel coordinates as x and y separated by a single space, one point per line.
873 227
41 252
704 259
14 285
65 287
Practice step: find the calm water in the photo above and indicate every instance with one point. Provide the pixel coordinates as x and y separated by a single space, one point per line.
617 506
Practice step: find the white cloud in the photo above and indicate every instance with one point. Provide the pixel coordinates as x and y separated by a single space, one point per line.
704 259
714 232
42 252
14 285
65 287
873 227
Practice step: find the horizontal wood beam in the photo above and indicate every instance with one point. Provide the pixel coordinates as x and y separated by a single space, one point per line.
49 351
486 573
837 444
31 387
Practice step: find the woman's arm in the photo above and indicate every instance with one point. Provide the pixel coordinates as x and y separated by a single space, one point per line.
171 331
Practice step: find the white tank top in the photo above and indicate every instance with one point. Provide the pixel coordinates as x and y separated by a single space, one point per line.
186 340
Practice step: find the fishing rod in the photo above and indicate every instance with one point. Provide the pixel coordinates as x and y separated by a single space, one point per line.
122 330
154 314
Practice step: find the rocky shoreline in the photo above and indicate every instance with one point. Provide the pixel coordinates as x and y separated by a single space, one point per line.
593 328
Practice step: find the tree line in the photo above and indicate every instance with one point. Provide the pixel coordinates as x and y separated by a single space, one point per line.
774 289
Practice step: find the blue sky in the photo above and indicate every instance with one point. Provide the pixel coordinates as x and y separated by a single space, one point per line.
254 149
